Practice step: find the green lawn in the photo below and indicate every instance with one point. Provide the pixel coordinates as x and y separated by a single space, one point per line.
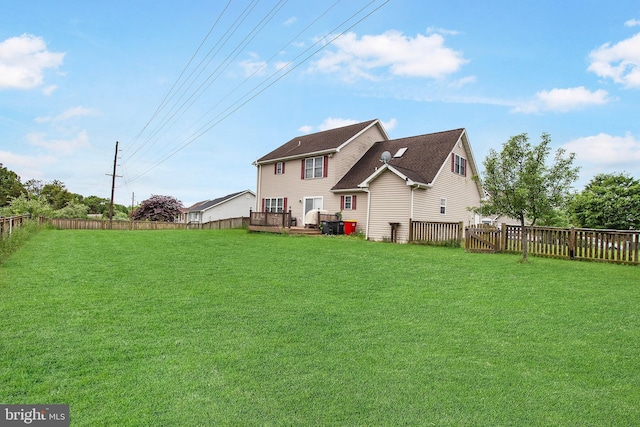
186 328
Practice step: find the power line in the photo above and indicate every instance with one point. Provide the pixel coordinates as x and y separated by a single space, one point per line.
259 88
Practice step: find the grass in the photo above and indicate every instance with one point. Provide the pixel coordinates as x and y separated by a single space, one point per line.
9 243
180 328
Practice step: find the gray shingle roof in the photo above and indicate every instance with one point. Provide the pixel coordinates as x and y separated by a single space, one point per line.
421 162
202 206
316 142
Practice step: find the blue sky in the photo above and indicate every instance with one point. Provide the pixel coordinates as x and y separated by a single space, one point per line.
195 91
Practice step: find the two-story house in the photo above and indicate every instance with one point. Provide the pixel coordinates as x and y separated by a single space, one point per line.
358 171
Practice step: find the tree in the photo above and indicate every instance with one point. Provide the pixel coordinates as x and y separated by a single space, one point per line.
608 201
158 208
10 185
34 187
521 185
36 206
71 210
97 205
56 194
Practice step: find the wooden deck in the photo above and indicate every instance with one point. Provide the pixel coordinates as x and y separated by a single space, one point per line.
285 230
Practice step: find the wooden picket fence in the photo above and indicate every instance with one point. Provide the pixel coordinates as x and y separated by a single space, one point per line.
10 223
435 232
617 246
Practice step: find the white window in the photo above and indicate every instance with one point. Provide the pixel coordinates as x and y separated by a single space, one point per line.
347 202
314 167
279 168
443 206
274 204
460 165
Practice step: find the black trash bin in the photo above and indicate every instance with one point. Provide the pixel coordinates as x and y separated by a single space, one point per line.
325 227
339 227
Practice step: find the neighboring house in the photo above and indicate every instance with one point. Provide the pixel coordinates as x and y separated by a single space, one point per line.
426 178
230 206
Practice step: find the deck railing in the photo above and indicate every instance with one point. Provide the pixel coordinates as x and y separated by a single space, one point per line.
271 219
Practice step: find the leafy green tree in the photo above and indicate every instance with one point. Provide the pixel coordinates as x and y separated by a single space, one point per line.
72 210
36 206
97 205
56 194
158 208
34 187
521 185
10 185
609 201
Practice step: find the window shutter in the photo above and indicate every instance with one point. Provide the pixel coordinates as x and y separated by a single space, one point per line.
263 204
282 168
326 166
353 202
464 163
341 202
275 168
453 162
284 205
302 172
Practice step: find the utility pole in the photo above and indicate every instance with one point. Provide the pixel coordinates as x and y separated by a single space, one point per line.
113 183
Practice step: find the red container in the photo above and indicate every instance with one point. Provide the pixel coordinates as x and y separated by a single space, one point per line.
350 226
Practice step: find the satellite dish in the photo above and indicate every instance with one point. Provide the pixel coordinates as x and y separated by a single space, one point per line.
385 157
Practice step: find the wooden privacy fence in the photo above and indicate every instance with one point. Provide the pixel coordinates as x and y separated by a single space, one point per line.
100 224
8 224
618 246
435 232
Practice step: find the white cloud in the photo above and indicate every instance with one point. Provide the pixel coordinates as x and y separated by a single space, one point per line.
23 61
26 166
332 123
563 100
632 23
68 114
390 124
620 62
403 56
432 30
62 146
463 81
48 90
253 66
290 21
305 129
605 149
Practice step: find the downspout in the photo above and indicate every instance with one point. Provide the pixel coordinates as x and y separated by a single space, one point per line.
258 190
366 232
413 189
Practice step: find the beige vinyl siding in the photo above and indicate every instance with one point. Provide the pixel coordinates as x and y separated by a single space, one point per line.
353 151
420 205
295 189
360 213
460 193
390 202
